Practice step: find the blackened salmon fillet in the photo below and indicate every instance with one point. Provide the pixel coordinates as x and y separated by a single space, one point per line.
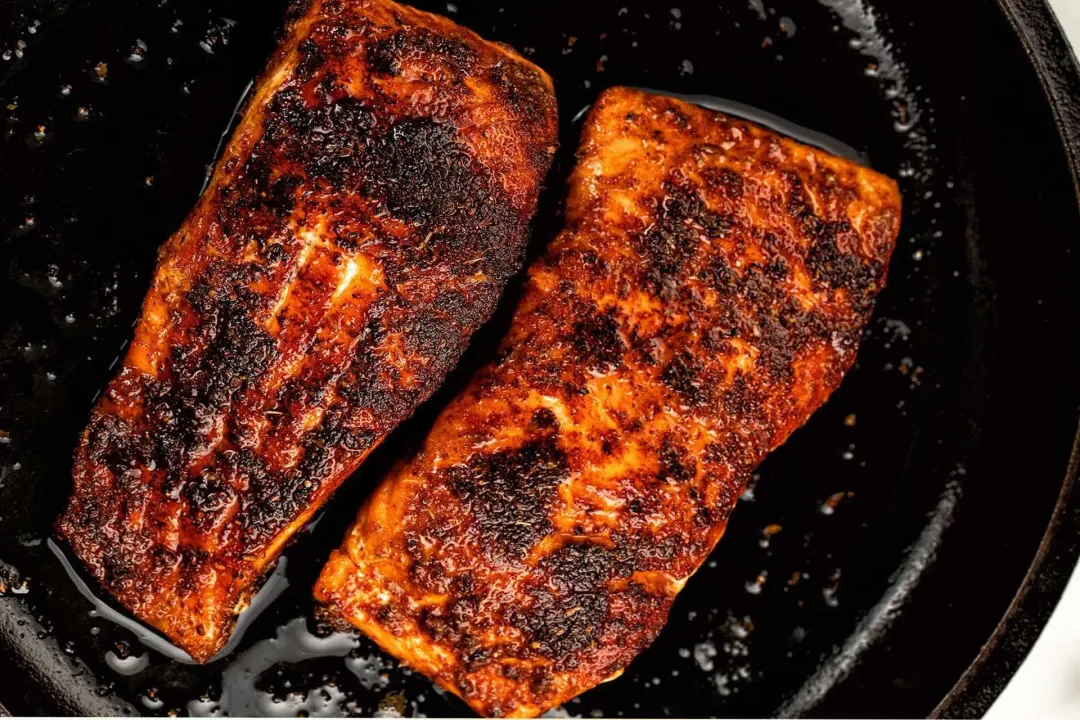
708 293
360 226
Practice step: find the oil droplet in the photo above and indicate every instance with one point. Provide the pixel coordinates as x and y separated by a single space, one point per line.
129 665
754 586
830 505
151 701
371 671
704 653
138 53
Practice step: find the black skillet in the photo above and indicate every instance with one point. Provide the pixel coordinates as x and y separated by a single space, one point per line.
925 523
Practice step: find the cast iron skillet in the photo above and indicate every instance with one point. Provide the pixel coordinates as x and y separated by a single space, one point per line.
925 524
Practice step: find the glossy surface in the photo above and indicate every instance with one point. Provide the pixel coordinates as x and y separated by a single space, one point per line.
363 220
707 295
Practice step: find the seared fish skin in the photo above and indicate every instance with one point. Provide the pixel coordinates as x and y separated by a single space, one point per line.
706 296
360 226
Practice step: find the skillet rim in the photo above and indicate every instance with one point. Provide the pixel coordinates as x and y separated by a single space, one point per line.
1056 559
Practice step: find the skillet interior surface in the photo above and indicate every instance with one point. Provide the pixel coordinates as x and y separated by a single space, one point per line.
877 550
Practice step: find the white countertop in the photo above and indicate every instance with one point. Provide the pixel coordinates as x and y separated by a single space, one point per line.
1047 686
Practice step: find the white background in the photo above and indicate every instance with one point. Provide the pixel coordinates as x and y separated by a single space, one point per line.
1048 683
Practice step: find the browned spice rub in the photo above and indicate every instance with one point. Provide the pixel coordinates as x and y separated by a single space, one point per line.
360 226
706 296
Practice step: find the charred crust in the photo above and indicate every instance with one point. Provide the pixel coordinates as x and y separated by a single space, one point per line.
508 493
680 220
221 453
597 340
568 612
829 265
675 466
387 55
685 375
544 420
694 312
425 175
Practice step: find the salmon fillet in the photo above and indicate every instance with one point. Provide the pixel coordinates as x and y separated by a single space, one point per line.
706 296
360 226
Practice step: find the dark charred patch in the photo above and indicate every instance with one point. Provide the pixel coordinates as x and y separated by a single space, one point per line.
115 444
827 263
368 389
261 508
675 466
544 420
684 374
508 493
609 442
227 352
568 612
645 351
326 141
463 583
425 176
237 349
777 270
760 289
788 331
206 494
597 341
257 209
726 324
464 310
714 224
335 432
452 624
312 58
437 336
778 346
420 45
420 171
742 400
674 238
720 276
208 499
580 567
830 265
728 182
